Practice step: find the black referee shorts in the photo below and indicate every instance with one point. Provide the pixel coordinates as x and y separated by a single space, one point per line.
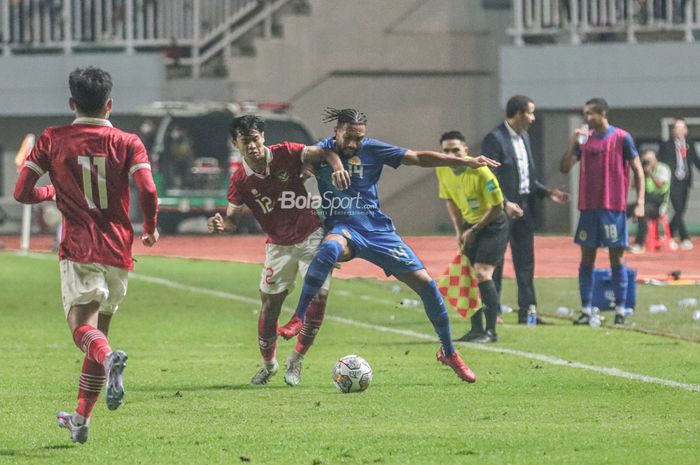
490 243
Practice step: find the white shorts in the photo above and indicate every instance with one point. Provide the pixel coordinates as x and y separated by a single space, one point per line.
82 283
282 262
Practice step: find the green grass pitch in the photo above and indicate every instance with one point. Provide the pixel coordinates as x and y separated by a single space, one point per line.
192 345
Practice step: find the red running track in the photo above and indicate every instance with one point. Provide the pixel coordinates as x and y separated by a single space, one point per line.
555 256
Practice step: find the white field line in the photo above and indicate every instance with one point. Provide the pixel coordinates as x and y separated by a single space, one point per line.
396 303
428 337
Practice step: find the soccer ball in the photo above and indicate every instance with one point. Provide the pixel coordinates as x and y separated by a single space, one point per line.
352 373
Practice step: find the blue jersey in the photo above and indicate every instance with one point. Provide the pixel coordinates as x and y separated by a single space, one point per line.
358 206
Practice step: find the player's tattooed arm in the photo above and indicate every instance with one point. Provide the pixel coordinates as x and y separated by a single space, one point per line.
219 224
430 159
314 155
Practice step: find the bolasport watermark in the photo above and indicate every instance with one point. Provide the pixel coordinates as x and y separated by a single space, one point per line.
329 202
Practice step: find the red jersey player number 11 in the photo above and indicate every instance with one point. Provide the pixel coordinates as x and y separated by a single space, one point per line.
89 163
94 168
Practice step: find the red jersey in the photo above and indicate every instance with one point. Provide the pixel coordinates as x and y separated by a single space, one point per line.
284 224
604 178
89 163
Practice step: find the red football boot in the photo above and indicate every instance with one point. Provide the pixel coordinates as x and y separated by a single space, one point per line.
291 329
455 362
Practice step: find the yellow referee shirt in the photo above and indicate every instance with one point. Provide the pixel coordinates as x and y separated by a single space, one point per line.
474 191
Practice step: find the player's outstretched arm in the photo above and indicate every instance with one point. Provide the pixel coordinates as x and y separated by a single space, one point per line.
314 155
26 190
148 199
430 159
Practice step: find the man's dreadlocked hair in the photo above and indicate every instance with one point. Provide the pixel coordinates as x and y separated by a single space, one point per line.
346 115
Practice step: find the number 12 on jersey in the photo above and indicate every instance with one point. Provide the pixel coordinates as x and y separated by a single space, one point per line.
99 162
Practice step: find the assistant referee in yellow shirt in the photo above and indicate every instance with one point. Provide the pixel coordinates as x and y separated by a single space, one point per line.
475 205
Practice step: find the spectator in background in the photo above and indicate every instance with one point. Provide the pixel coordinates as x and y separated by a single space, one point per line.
149 13
117 23
56 12
651 11
172 53
509 144
606 154
657 183
679 154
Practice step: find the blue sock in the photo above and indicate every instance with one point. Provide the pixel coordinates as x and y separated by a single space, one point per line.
585 284
619 282
319 269
437 314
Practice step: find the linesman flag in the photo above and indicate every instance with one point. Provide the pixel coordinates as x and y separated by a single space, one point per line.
459 286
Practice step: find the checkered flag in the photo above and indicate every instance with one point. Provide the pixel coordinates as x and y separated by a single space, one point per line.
459 286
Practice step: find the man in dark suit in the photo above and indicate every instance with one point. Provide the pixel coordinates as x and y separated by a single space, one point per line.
679 154
509 144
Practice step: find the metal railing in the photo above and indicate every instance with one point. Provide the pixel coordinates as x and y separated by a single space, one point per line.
581 20
189 31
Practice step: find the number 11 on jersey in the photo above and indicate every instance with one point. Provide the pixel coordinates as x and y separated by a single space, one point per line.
100 163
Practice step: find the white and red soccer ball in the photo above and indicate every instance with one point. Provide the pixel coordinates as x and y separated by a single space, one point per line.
352 373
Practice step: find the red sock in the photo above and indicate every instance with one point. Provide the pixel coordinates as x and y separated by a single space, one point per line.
311 326
93 342
267 336
92 380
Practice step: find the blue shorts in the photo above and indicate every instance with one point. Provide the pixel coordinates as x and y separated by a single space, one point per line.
383 248
602 228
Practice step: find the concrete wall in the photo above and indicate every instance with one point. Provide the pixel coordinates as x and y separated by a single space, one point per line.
34 95
410 111
401 35
416 69
38 86
648 75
